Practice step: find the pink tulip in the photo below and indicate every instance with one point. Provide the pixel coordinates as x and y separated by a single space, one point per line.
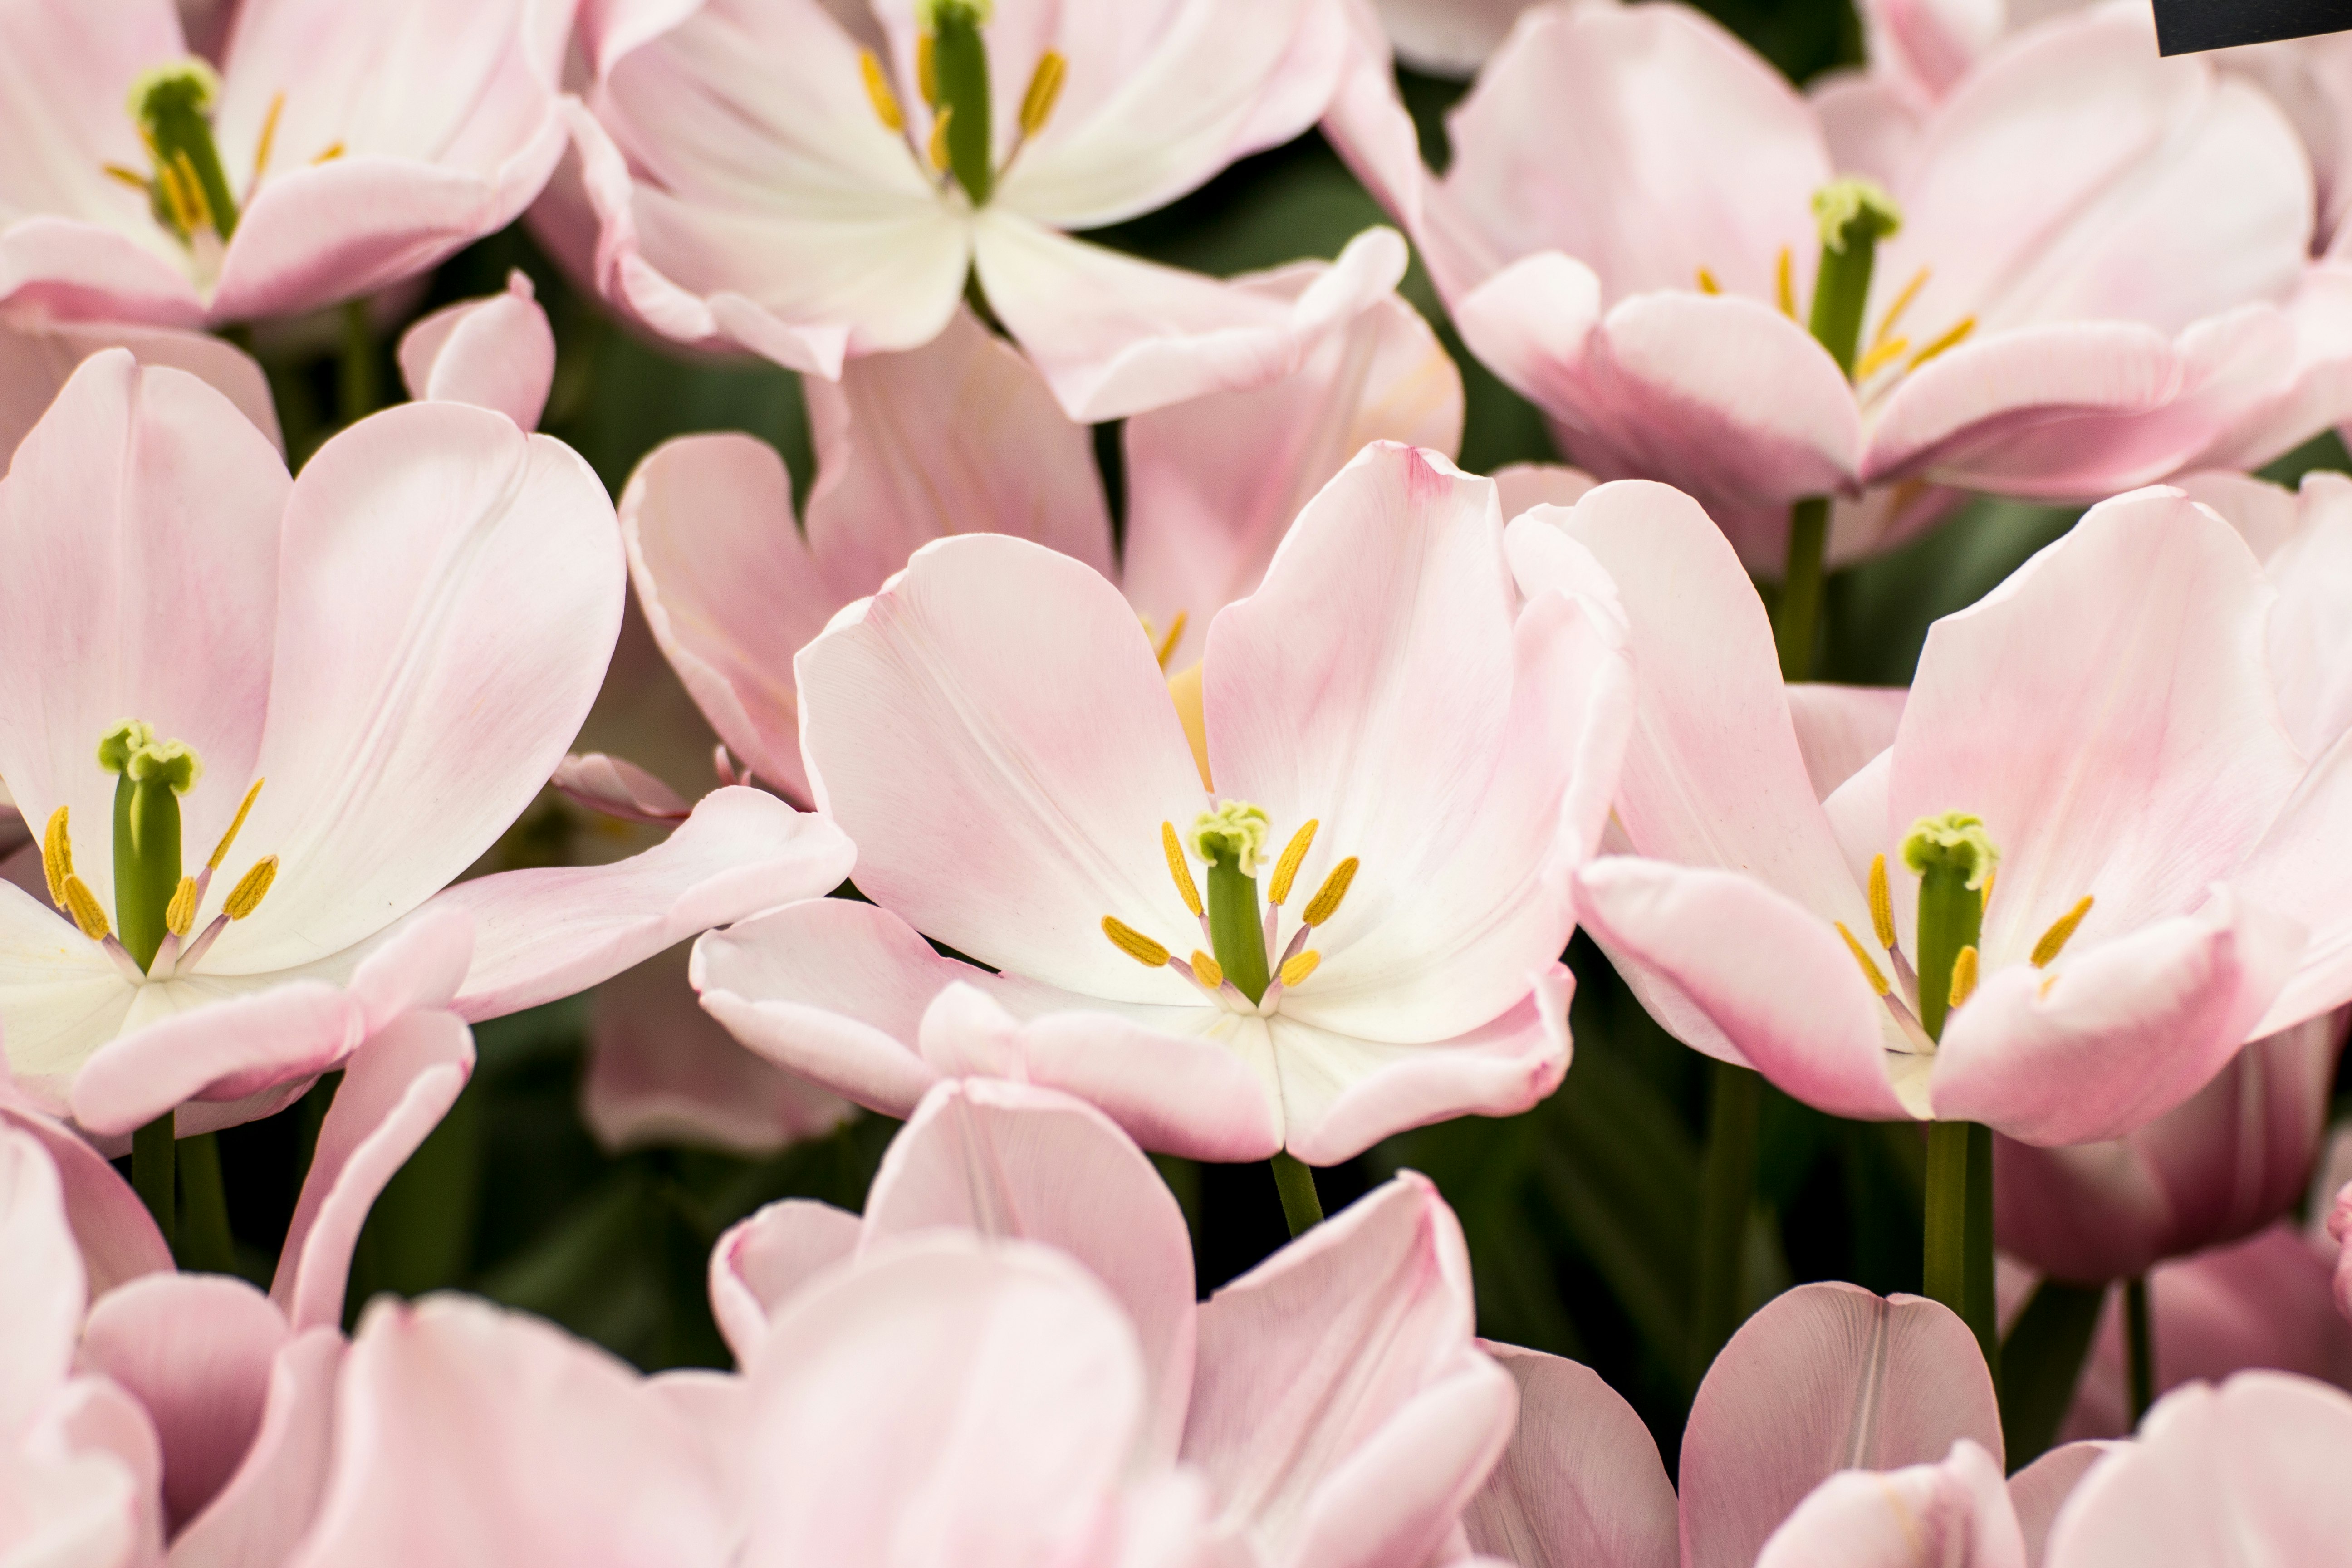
497 352
2106 714
963 435
37 357
1332 1399
2245 1474
994 731
400 642
349 152
778 179
2101 274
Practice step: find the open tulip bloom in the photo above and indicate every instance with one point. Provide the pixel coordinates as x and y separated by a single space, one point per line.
261 723
814 182
333 151
1403 758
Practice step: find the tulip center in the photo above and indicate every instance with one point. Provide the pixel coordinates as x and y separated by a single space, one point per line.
186 184
1238 969
952 71
154 905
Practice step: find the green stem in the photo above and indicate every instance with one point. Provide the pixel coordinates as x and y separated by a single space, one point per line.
1301 1204
1957 1266
205 1244
355 378
2139 1347
1727 1194
153 1167
1796 621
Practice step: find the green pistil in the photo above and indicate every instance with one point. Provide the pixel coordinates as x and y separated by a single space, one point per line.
960 79
1954 858
173 108
151 776
1231 840
1855 215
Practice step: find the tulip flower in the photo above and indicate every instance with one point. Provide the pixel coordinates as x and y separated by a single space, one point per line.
1408 755
2090 789
1332 1398
497 352
814 189
332 153
1643 230
37 357
305 706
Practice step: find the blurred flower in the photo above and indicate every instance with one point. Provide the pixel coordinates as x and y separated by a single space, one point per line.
1447 38
495 352
39 356
1627 235
379 665
1397 740
335 151
813 185
2104 723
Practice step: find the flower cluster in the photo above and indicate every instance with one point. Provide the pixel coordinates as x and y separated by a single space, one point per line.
1051 738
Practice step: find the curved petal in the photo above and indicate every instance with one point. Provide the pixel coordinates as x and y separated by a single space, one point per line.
764 1260
994 732
268 1505
1523 486
1581 1484
618 788
662 1071
1955 1512
460 588
1871 124
1825 1378
37 358
495 352
1840 728
551 931
195 1350
43 1272
2313 572
2038 1491
1010 1162
61 999
1447 38
117 1237
81 1487
1115 335
1213 483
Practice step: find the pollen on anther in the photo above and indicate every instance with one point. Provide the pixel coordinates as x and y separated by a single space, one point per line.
1134 943
1706 283
181 912
2061 929
1297 968
877 92
1965 325
1207 969
1784 284
245 809
83 907
57 856
1964 976
1325 902
1045 91
1882 904
1182 874
251 888
1870 970
939 147
1294 854
268 139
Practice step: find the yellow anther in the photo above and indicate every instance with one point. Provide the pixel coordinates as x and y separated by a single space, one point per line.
1044 90
220 850
1285 870
2054 940
1902 303
1879 357
1207 969
181 912
1984 900
334 151
1325 902
132 177
1870 970
877 92
1964 976
247 896
1299 967
1967 324
268 140
1167 645
939 147
57 856
1185 887
1134 943
926 70
1881 906
1784 282
82 905
1706 283
177 182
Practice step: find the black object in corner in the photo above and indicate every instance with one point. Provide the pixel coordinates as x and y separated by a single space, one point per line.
2185 27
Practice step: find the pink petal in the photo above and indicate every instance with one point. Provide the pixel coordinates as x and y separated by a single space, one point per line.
461 589
195 1350
395 1090
38 359
2318 387
663 1071
2038 1491
1523 485
2283 874
618 788
552 930
1871 124
1826 1378
268 1505
1115 336
496 352
764 1260
465 1435
1010 1162
2313 572
64 111
994 732
1922 1516
41 1308
1341 1411
1448 38
79 1486
1840 728
141 518
1580 1483
728 588
1213 483
117 1237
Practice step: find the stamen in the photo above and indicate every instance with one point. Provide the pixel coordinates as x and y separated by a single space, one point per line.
2055 940
1902 303
1784 282
1207 969
1045 91
236 823
1167 646
1870 970
334 150
1880 356
57 856
253 886
181 912
132 177
927 69
172 107
82 906
1882 904
1185 887
1706 283
1967 324
1296 969
1964 976
1134 943
938 149
1985 900
1285 870
1325 902
269 139
878 93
